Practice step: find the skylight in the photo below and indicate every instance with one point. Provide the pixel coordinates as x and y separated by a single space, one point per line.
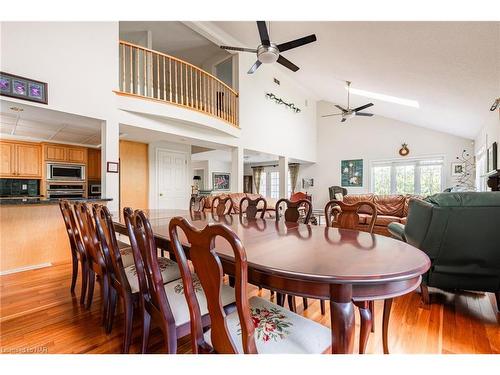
385 98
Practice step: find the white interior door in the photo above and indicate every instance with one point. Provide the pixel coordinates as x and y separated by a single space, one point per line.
172 186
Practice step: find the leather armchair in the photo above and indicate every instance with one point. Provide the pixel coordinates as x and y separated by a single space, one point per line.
460 234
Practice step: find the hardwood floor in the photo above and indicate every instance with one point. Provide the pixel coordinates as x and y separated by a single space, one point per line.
38 314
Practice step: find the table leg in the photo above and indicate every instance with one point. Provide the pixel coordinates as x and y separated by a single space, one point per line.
342 319
385 324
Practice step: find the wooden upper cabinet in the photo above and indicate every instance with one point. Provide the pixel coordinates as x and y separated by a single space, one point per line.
65 154
76 155
20 160
7 159
55 153
94 164
29 160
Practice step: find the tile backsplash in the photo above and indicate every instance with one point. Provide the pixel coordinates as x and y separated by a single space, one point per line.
10 187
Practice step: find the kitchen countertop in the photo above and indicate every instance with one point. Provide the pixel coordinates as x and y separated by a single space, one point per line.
44 201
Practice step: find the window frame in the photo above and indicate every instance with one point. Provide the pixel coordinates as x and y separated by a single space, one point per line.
417 162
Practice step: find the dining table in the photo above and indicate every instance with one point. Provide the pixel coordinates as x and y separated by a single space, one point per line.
338 265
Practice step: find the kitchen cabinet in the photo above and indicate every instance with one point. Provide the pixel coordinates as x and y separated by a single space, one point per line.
65 154
20 160
94 164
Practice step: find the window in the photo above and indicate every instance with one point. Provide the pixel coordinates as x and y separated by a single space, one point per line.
275 185
417 176
289 186
263 184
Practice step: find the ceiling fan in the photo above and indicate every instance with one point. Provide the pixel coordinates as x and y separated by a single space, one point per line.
268 52
350 112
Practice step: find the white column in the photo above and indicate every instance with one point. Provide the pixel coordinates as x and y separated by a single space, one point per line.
237 170
283 169
110 152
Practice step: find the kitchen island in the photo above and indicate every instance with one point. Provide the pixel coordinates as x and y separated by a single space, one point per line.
32 233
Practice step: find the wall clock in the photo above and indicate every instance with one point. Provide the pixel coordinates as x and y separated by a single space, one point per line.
404 150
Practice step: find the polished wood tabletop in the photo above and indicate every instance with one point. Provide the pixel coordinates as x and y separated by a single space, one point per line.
311 261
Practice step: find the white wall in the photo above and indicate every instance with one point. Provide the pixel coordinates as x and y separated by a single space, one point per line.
269 127
372 138
213 161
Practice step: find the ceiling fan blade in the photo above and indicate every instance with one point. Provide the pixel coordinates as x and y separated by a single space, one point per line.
296 43
362 107
364 114
339 107
254 67
227 48
264 35
287 63
333 114
343 119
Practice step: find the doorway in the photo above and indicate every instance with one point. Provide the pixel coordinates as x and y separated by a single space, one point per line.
172 183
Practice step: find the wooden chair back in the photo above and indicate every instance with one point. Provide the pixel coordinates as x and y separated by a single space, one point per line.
107 237
146 263
346 216
222 206
292 212
89 237
75 241
197 204
208 267
299 195
251 209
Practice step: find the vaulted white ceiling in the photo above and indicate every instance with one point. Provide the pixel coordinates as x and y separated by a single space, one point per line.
451 68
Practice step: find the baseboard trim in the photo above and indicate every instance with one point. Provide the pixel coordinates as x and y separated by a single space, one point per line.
27 268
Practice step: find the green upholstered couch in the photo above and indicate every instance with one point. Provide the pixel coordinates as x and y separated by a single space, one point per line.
460 232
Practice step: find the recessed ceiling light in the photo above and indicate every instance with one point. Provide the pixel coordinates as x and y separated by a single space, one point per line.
16 109
385 98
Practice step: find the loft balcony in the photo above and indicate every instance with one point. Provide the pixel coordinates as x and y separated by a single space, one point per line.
156 76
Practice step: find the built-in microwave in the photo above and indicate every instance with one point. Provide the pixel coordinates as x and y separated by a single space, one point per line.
65 172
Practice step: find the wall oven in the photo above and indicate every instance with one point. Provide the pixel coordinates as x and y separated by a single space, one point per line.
65 190
65 172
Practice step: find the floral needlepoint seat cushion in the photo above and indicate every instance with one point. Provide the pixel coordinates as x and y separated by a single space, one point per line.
169 272
126 254
279 331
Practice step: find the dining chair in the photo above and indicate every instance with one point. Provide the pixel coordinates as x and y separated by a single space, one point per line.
257 325
251 210
96 261
124 282
222 206
197 204
78 253
346 216
295 211
164 304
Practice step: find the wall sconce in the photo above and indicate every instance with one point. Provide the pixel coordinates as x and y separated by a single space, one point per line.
277 100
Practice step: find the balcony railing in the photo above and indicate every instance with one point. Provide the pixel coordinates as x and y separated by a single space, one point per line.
153 75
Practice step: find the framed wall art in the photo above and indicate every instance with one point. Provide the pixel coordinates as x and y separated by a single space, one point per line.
23 88
221 181
351 173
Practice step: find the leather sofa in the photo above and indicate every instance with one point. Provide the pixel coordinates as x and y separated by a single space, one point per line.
460 234
236 199
390 208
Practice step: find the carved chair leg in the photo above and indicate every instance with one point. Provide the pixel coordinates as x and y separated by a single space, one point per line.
74 274
366 324
85 278
322 307
305 303
146 328
90 295
425 294
372 310
105 299
111 309
128 308
291 303
385 324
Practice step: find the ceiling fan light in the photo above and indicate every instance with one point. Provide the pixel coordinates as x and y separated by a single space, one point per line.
268 54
